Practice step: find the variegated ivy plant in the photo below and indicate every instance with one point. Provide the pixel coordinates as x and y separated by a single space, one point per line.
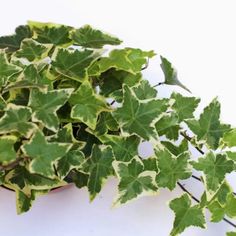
72 113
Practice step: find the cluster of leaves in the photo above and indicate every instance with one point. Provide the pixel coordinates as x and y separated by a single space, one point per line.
72 113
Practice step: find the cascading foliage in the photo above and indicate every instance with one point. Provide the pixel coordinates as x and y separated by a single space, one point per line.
72 112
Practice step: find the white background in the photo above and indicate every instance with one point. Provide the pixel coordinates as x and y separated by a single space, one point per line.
198 37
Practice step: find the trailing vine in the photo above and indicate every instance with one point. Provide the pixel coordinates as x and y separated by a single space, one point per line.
72 112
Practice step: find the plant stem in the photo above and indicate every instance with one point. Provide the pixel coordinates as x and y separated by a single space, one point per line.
112 102
198 201
146 66
190 139
156 85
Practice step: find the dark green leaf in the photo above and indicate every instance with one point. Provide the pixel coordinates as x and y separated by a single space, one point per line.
186 215
12 42
170 73
136 117
208 127
92 38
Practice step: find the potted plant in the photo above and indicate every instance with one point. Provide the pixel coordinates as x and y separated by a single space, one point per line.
73 112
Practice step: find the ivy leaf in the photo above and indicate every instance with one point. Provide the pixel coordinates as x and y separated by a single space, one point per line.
6 69
128 59
136 117
32 50
215 167
12 42
134 181
229 138
21 179
24 201
112 80
89 139
208 127
174 149
64 135
186 215
87 105
73 63
79 178
184 106
218 211
44 154
16 119
170 73
7 151
3 103
168 125
231 233
99 167
51 33
124 148
45 105
144 90
105 122
72 160
231 155
171 168
92 38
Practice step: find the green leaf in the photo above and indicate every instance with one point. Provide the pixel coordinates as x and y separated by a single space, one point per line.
45 104
73 63
72 160
38 76
174 149
134 181
12 42
112 80
51 33
83 135
6 69
222 193
80 179
21 179
184 106
231 155
92 38
171 168
64 135
16 119
99 167
44 154
2 177
144 90
32 50
128 59
124 148
170 73
215 167
186 215
87 105
168 125
24 201
218 211
7 151
231 233
105 122
136 117
229 138
3 103
208 128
